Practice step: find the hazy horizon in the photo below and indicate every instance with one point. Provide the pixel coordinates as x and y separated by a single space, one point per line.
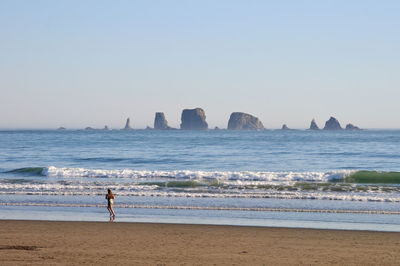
176 125
92 63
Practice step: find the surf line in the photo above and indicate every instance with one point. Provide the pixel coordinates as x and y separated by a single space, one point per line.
260 209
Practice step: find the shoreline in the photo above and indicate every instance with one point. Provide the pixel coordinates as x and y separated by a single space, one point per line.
312 220
195 224
338 221
60 242
198 224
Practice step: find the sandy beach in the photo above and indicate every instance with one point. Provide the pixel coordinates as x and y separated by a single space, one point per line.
102 243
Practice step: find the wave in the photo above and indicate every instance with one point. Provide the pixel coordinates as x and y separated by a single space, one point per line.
373 177
254 178
180 207
58 190
237 176
14 185
28 171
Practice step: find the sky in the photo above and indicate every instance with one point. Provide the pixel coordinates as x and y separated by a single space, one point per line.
76 63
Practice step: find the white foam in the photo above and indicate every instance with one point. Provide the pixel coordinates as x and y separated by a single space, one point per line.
30 187
243 177
178 207
56 189
81 181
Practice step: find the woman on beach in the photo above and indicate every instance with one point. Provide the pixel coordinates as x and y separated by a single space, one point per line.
110 201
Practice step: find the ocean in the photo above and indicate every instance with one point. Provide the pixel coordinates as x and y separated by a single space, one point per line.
297 178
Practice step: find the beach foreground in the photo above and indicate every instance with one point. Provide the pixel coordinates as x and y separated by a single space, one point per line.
100 243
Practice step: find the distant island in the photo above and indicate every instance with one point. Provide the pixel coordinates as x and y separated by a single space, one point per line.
195 119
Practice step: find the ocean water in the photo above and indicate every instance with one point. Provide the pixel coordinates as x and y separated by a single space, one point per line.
310 179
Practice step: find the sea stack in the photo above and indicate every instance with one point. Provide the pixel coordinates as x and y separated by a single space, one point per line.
352 127
243 121
194 119
285 127
127 125
160 122
332 124
313 125
105 127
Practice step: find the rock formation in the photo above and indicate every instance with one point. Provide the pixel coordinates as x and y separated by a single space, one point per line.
332 124
313 125
194 119
160 122
61 128
352 127
127 125
243 121
105 127
285 127
89 128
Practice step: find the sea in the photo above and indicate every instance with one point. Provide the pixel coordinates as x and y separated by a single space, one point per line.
346 180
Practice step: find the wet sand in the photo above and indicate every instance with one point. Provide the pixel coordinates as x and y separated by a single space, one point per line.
96 243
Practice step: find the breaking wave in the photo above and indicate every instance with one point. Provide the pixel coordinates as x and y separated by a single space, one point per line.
345 176
200 175
347 185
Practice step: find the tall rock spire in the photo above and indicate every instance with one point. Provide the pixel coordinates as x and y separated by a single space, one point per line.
313 125
127 125
160 122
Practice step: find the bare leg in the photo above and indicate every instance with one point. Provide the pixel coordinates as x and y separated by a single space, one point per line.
112 212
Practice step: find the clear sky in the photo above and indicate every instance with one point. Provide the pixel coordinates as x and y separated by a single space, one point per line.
91 63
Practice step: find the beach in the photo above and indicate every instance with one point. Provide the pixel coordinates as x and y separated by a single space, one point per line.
104 243
220 133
